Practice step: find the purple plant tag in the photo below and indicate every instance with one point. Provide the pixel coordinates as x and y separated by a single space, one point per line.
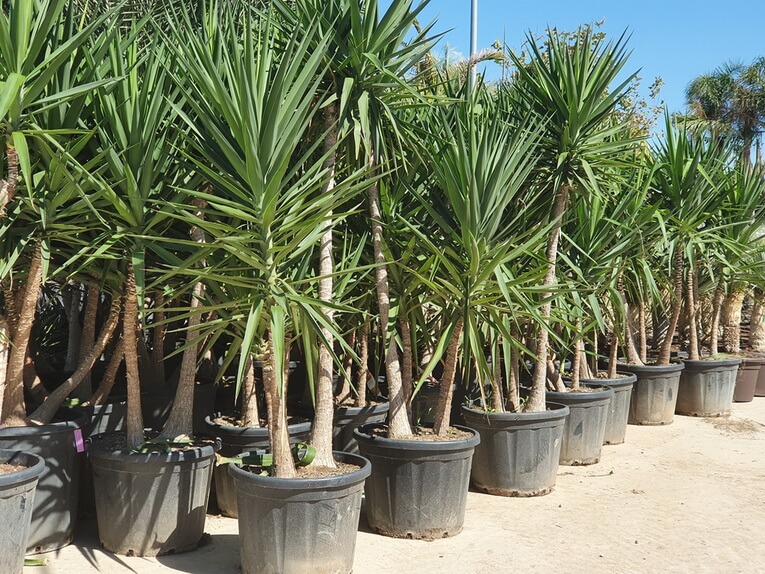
79 443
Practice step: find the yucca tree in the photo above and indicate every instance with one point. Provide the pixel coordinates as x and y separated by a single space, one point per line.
479 166
571 84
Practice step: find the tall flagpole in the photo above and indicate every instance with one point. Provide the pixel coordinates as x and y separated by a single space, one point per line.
473 42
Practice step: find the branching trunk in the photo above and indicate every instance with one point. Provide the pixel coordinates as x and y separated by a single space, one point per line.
14 411
554 380
110 374
731 319
536 401
250 411
134 421
284 466
32 382
691 310
398 420
45 413
665 349
757 323
363 371
444 407
321 435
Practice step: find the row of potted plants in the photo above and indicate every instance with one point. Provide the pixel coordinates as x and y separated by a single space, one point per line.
238 193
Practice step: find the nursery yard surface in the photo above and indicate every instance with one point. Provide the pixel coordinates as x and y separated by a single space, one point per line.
689 497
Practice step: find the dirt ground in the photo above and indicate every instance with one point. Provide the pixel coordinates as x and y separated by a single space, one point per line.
689 497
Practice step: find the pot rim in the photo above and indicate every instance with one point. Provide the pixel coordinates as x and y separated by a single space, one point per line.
554 411
713 363
76 419
190 455
34 464
417 445
304 426
673 367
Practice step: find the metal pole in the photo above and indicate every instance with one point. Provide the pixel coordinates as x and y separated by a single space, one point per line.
473 42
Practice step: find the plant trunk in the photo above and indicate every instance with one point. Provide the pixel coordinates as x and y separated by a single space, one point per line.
536 401
757 323
14 411
363 372
513 382
731 319
714 328
321 433
11 309
575 364
284 466
665 350
497 400
32 382
72 301
110 374
554 380
5 349
407 364
134 422
84 390
158 342
444 408
45 412
8 185
613 355
642 335
398 419
250 411
346 394
691 310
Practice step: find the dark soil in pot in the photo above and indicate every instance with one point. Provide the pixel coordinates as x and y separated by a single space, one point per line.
150 504
654 394
299 525
706 387
55 502
748 376
19 473
417 488
519 452
585 427
234 440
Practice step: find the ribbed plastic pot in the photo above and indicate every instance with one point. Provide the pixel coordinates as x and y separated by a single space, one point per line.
585 427
151 504
759 390
519 452
417 489
619 409
109 417
706 387
296 525
156 406
746 381
55 506
17 492
234 441
654 394
346 419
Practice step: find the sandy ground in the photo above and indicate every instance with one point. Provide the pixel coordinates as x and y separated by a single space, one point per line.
689 497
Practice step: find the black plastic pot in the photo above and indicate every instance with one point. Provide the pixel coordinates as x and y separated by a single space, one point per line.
156 406
234 441
519 452
654 394
55 506
619 409
150 504
294 525
417 489
585 427
706 387
746 381
17 491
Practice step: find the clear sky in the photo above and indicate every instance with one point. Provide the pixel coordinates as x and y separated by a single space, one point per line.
674 39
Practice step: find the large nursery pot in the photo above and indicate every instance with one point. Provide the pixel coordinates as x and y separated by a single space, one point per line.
759 390
619 409
235 440
654 394
519 452
706 387
746 382
585 427
296 525
17 491
60 445
417 489
150 504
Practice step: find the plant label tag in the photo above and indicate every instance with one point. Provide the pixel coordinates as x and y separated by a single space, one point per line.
79 443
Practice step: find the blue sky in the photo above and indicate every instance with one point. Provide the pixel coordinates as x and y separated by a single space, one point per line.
674 39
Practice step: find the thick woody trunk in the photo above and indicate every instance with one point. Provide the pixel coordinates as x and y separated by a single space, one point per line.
692 311
134 421
5 351
321 435
8 185
250 411
513 383
444 407
714 327
158 343
497 398
398 420
731 319
346 394
14 411
84 391
11 309
757 323
665 349
575 364
407 363
72 300
613 355
110 374
32 383
284 466
45 413
363 372
642 334
536 401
